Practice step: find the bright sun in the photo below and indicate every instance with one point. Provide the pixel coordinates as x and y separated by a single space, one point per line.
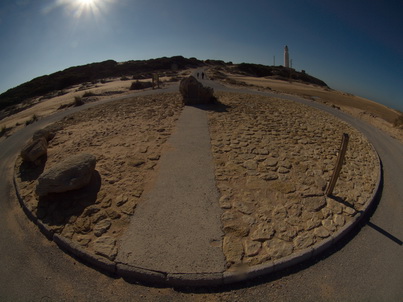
87 2
82 7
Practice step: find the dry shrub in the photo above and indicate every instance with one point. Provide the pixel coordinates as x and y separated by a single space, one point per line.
398 123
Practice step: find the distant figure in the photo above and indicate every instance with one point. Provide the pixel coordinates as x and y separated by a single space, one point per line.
197 75
202 75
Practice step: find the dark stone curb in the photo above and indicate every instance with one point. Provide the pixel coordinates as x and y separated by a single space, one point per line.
136 274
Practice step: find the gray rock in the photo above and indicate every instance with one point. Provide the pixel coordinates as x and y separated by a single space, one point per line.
193 92
321 232
33 150
121 200
43 133
251 247
106 246
250 164
314 203
277 248
233 249
102 227
262 232
71 174
304 240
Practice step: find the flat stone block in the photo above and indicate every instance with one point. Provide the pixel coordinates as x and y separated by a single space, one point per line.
207 279
44 229
293 259
75 249
248 273
132 273
322 246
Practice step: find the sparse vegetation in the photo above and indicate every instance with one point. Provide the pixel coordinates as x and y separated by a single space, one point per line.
140 85
279 72
78 101
3 130
88 94
91 73
124 78
235 82
174 79
398 123
33 119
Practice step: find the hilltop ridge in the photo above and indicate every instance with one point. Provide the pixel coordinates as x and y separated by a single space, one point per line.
137 69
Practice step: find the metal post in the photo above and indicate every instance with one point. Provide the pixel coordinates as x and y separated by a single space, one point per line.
339 163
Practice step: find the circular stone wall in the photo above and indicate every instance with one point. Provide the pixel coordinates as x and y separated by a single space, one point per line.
273 161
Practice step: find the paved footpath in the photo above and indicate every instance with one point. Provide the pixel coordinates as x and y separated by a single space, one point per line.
177 226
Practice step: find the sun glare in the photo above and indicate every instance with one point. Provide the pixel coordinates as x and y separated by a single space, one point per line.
81 8
87 2
85 6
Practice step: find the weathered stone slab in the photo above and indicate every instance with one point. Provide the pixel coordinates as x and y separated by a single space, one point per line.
71 174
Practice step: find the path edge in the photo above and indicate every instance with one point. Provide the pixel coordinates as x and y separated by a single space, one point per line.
138 274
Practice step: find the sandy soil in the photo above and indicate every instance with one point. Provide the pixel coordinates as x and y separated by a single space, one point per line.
371 112
43 106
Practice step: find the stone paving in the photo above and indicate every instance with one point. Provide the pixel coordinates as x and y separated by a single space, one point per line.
273 161
127 138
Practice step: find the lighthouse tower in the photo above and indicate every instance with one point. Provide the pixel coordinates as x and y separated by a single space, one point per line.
286 57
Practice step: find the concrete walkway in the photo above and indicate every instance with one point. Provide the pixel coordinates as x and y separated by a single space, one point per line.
177 228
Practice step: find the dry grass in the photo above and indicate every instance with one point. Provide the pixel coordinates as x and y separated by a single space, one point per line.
323 94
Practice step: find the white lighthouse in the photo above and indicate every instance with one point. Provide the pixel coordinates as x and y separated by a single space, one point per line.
286 57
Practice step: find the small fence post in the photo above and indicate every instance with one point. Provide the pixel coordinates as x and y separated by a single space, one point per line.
339 163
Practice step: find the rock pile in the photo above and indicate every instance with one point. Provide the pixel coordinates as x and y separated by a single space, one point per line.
194 93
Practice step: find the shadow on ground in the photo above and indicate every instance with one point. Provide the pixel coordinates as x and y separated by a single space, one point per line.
58 208
30 171
216 106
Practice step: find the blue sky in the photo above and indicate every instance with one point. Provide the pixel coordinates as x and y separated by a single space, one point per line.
354 46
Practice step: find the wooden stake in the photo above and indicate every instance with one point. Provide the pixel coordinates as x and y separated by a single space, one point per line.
339 163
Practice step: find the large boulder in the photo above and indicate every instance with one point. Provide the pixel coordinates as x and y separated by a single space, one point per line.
34 149
71 174
194 93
